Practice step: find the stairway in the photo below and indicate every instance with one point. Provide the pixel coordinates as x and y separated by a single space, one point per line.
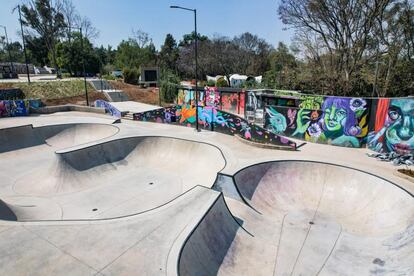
129 116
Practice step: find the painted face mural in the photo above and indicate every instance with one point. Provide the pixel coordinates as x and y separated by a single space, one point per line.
337 121
334 118
277 121
394 126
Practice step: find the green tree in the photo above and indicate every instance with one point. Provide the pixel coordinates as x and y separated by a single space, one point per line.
70 55
169 54
130 55
16 51
188 39
45 18
283 72
38 51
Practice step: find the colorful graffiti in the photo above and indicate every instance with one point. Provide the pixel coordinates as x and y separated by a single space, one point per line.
339 121
233 102
108 108
211 118
310 102
14 108
212 96
394 126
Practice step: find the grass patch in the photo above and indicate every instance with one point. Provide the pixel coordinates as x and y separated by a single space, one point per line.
55 89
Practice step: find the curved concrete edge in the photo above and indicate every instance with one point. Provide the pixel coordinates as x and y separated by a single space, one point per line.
216 221
226 184
166 205
175 256
113 138
24 136
263 145
323 163
6 213
66 108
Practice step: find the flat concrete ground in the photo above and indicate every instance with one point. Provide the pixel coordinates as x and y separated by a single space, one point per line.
81 195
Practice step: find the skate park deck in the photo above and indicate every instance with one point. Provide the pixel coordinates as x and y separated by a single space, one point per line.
362 219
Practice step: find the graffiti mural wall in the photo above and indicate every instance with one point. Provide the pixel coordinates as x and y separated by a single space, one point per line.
211 118
233 102
14 108
330 120
393 128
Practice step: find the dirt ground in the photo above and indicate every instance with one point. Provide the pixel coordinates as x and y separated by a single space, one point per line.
136 93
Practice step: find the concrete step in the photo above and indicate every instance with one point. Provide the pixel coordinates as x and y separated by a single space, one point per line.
128 116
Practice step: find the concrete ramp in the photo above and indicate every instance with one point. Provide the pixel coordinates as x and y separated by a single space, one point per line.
306 218
59 136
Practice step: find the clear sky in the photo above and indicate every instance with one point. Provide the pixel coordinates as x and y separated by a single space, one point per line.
115 19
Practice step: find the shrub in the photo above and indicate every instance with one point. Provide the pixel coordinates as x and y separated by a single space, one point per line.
221 82
108 77
66 75
211 83
168 86
131 75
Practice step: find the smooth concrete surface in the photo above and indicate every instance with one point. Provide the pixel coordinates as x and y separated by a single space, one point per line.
134 107
309 218
179 225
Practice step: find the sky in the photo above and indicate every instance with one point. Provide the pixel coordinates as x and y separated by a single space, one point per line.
115 19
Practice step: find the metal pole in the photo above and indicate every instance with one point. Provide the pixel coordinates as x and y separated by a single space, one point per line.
24 46
83 67
196 66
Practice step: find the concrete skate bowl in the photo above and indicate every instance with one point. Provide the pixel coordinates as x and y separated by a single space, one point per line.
112 179
310 218
56 136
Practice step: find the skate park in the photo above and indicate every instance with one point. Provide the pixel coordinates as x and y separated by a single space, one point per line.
99 197
140 139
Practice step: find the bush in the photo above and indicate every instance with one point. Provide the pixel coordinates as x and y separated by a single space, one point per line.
221 82
108 77
66 75
131 76
211 83
108 68
168 86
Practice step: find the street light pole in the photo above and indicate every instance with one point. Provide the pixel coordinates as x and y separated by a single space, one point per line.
196 57
8 47
24 45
